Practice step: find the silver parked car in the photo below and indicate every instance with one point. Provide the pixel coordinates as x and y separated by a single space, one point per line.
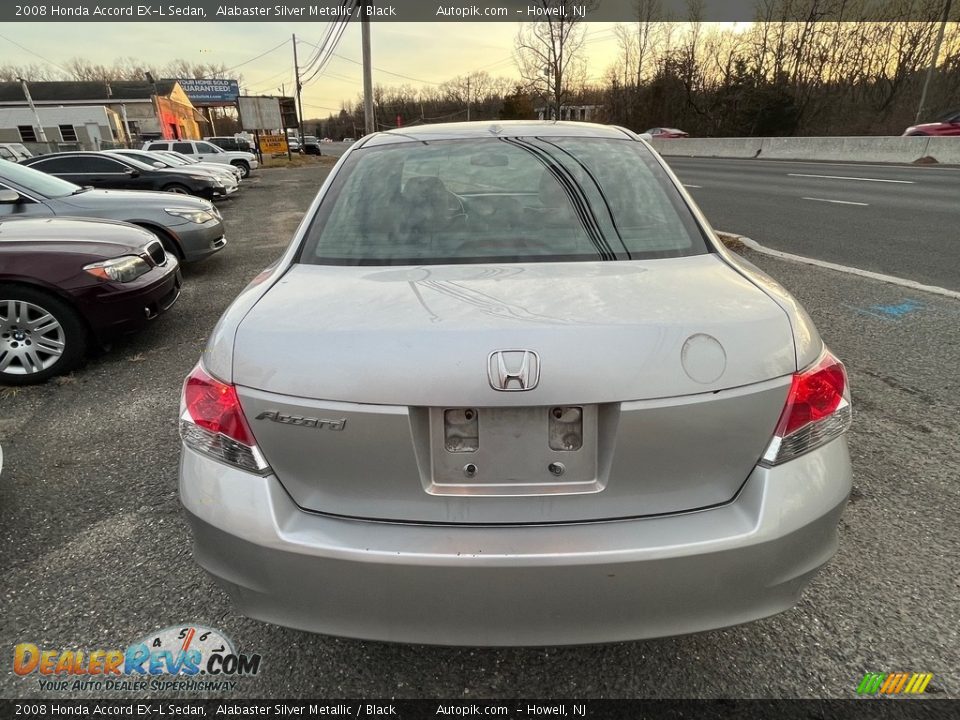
506 387
189 228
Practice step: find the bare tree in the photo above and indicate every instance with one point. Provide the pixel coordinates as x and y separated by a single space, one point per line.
33 72
549 53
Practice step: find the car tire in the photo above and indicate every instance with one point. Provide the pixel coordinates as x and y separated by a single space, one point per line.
244 167
177 189
65 327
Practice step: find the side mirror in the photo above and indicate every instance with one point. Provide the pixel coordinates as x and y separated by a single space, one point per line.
9 197
132 172
158 165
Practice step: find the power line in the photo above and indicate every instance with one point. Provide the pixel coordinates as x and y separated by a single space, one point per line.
327 50
323 107
328 33
388 72
257 57
318 62
26 49
268 81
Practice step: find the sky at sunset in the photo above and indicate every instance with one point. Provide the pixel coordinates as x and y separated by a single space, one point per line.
427 53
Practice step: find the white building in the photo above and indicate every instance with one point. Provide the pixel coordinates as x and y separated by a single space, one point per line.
68 127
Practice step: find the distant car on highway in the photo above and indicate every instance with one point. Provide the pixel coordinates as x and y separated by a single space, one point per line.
121 172
509 365
948 125
68 284
188 227
348 139
666 133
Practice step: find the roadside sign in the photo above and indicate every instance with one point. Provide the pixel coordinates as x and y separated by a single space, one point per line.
273 144
210 92
259 113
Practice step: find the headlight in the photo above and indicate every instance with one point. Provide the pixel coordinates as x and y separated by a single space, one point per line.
120 269
195 216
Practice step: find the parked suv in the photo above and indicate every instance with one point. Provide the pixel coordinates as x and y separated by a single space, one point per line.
207 152
235 144
14 152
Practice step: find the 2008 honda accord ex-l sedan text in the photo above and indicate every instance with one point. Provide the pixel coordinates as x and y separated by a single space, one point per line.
506 387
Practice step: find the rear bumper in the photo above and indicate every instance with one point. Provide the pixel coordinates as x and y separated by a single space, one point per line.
517 585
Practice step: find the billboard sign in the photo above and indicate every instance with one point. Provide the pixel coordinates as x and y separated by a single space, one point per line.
260 113
288 111
212 92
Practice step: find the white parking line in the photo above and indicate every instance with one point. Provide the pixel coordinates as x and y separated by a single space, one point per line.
838 202
893 280
845 177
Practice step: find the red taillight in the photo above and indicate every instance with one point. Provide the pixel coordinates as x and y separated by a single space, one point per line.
214 405
817 411
815 393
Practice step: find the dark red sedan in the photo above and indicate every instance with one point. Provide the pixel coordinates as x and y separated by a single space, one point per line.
946 125
667 133
67 284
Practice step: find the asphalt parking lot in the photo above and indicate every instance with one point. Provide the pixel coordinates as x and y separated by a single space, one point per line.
94 551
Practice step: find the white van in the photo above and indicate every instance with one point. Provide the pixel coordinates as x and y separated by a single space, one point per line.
207 152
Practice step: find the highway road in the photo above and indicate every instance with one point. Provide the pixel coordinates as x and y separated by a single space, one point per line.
903 220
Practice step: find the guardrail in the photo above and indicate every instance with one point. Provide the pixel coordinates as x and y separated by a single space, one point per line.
858 149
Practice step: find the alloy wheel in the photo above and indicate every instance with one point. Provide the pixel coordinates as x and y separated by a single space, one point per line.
31 338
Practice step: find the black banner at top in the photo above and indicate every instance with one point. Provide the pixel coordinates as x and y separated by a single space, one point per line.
458 709
262 11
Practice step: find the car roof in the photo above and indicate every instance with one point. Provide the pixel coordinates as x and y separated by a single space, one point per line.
501 128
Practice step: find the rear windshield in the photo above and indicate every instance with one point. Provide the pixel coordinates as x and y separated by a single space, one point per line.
501 200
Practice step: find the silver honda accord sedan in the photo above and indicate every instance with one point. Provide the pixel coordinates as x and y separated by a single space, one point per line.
505 387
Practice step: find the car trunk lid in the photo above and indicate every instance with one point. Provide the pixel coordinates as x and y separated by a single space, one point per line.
371 390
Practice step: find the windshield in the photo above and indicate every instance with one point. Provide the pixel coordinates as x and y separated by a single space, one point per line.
35 181
501 200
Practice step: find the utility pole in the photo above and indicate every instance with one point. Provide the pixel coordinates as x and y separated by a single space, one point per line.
368 120
41 135
298 87
933 63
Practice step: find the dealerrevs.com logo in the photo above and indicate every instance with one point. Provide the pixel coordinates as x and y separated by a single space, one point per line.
180 657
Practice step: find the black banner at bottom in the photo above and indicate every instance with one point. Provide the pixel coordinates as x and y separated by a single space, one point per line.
859 709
